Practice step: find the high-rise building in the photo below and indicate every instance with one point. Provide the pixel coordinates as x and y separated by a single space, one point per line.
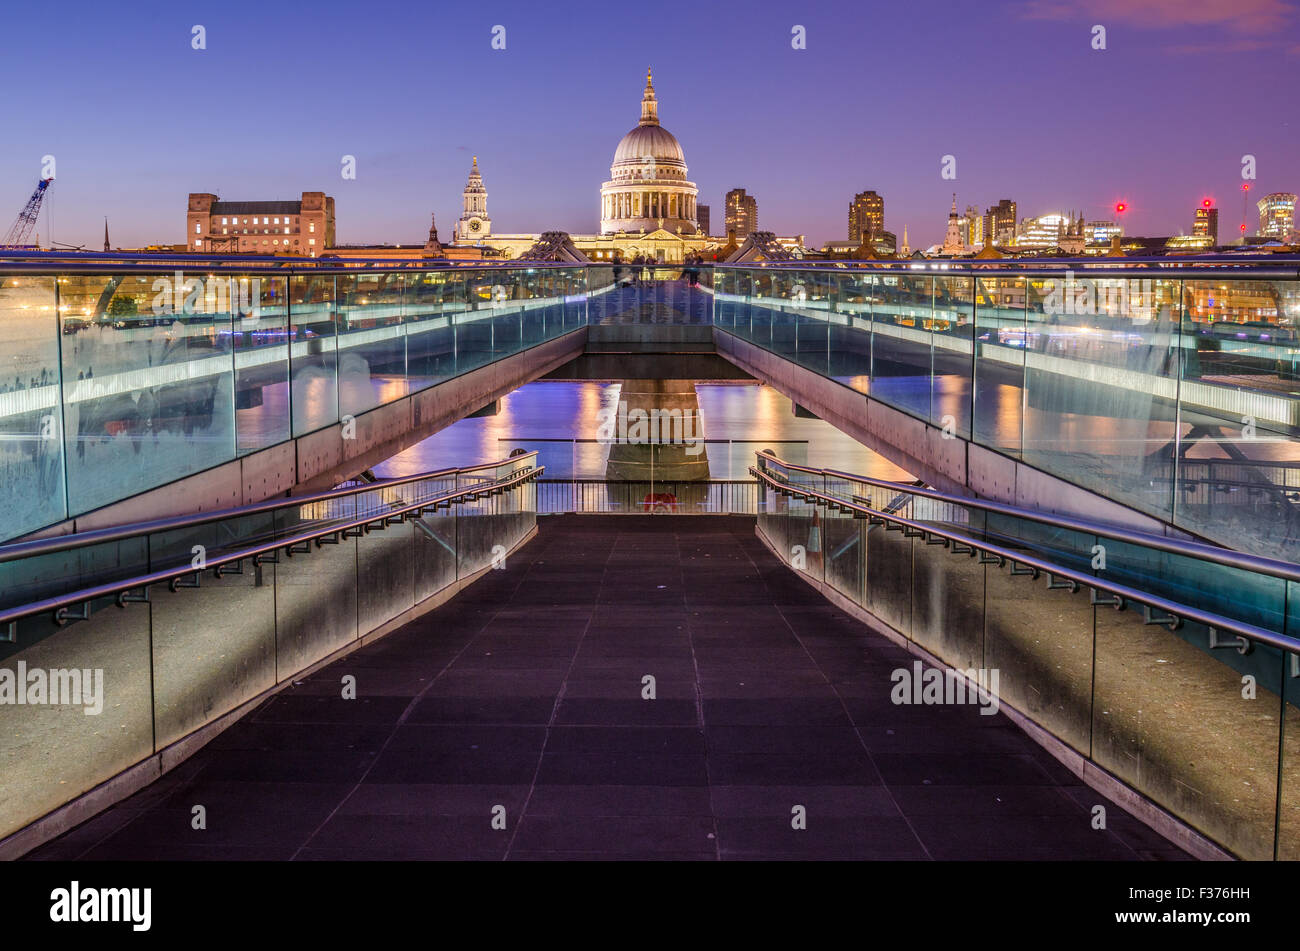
1000 222
973 226
866 216
742 213
1277 215
1206 223
702 218
303 227
474 224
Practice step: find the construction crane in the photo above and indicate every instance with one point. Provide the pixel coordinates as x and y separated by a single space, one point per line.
16 239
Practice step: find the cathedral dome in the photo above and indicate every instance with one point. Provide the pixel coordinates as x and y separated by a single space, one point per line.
649 143
647 188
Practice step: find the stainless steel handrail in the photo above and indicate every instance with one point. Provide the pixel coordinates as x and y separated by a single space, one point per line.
57 543
59 603
1281 266
98 262
1175 612
1226 557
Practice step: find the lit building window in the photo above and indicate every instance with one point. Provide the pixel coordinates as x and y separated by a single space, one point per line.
223 221
286 230
223 230
197 228
277 220
312 229
311 240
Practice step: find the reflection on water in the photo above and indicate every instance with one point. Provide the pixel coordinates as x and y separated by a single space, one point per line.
755 416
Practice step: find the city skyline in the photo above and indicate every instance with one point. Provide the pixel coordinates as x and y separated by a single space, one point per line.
540 146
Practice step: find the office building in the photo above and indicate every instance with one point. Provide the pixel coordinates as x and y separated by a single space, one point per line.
866 216
742 213
303 227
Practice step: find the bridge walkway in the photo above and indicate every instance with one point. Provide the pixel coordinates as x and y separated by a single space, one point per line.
523 697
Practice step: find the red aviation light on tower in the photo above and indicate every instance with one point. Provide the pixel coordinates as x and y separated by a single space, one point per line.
1208 203
1121 207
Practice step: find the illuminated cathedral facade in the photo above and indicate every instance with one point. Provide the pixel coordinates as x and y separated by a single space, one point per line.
648 206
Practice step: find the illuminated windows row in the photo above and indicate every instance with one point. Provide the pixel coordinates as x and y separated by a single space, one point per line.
226 220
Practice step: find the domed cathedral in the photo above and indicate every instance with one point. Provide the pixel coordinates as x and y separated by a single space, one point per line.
648 210
647 188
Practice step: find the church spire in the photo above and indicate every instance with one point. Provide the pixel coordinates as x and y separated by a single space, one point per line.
433 245
649 106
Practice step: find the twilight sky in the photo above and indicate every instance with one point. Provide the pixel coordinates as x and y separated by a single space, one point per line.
136 119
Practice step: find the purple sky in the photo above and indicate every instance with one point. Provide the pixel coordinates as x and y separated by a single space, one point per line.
136 118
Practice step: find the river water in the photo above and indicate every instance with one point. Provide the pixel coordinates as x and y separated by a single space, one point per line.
737 419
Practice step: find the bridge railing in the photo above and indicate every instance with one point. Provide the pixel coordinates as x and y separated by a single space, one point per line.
1168 385
117 644
664 497
119 374
1171 666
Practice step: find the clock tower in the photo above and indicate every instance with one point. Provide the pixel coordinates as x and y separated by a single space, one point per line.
474 224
